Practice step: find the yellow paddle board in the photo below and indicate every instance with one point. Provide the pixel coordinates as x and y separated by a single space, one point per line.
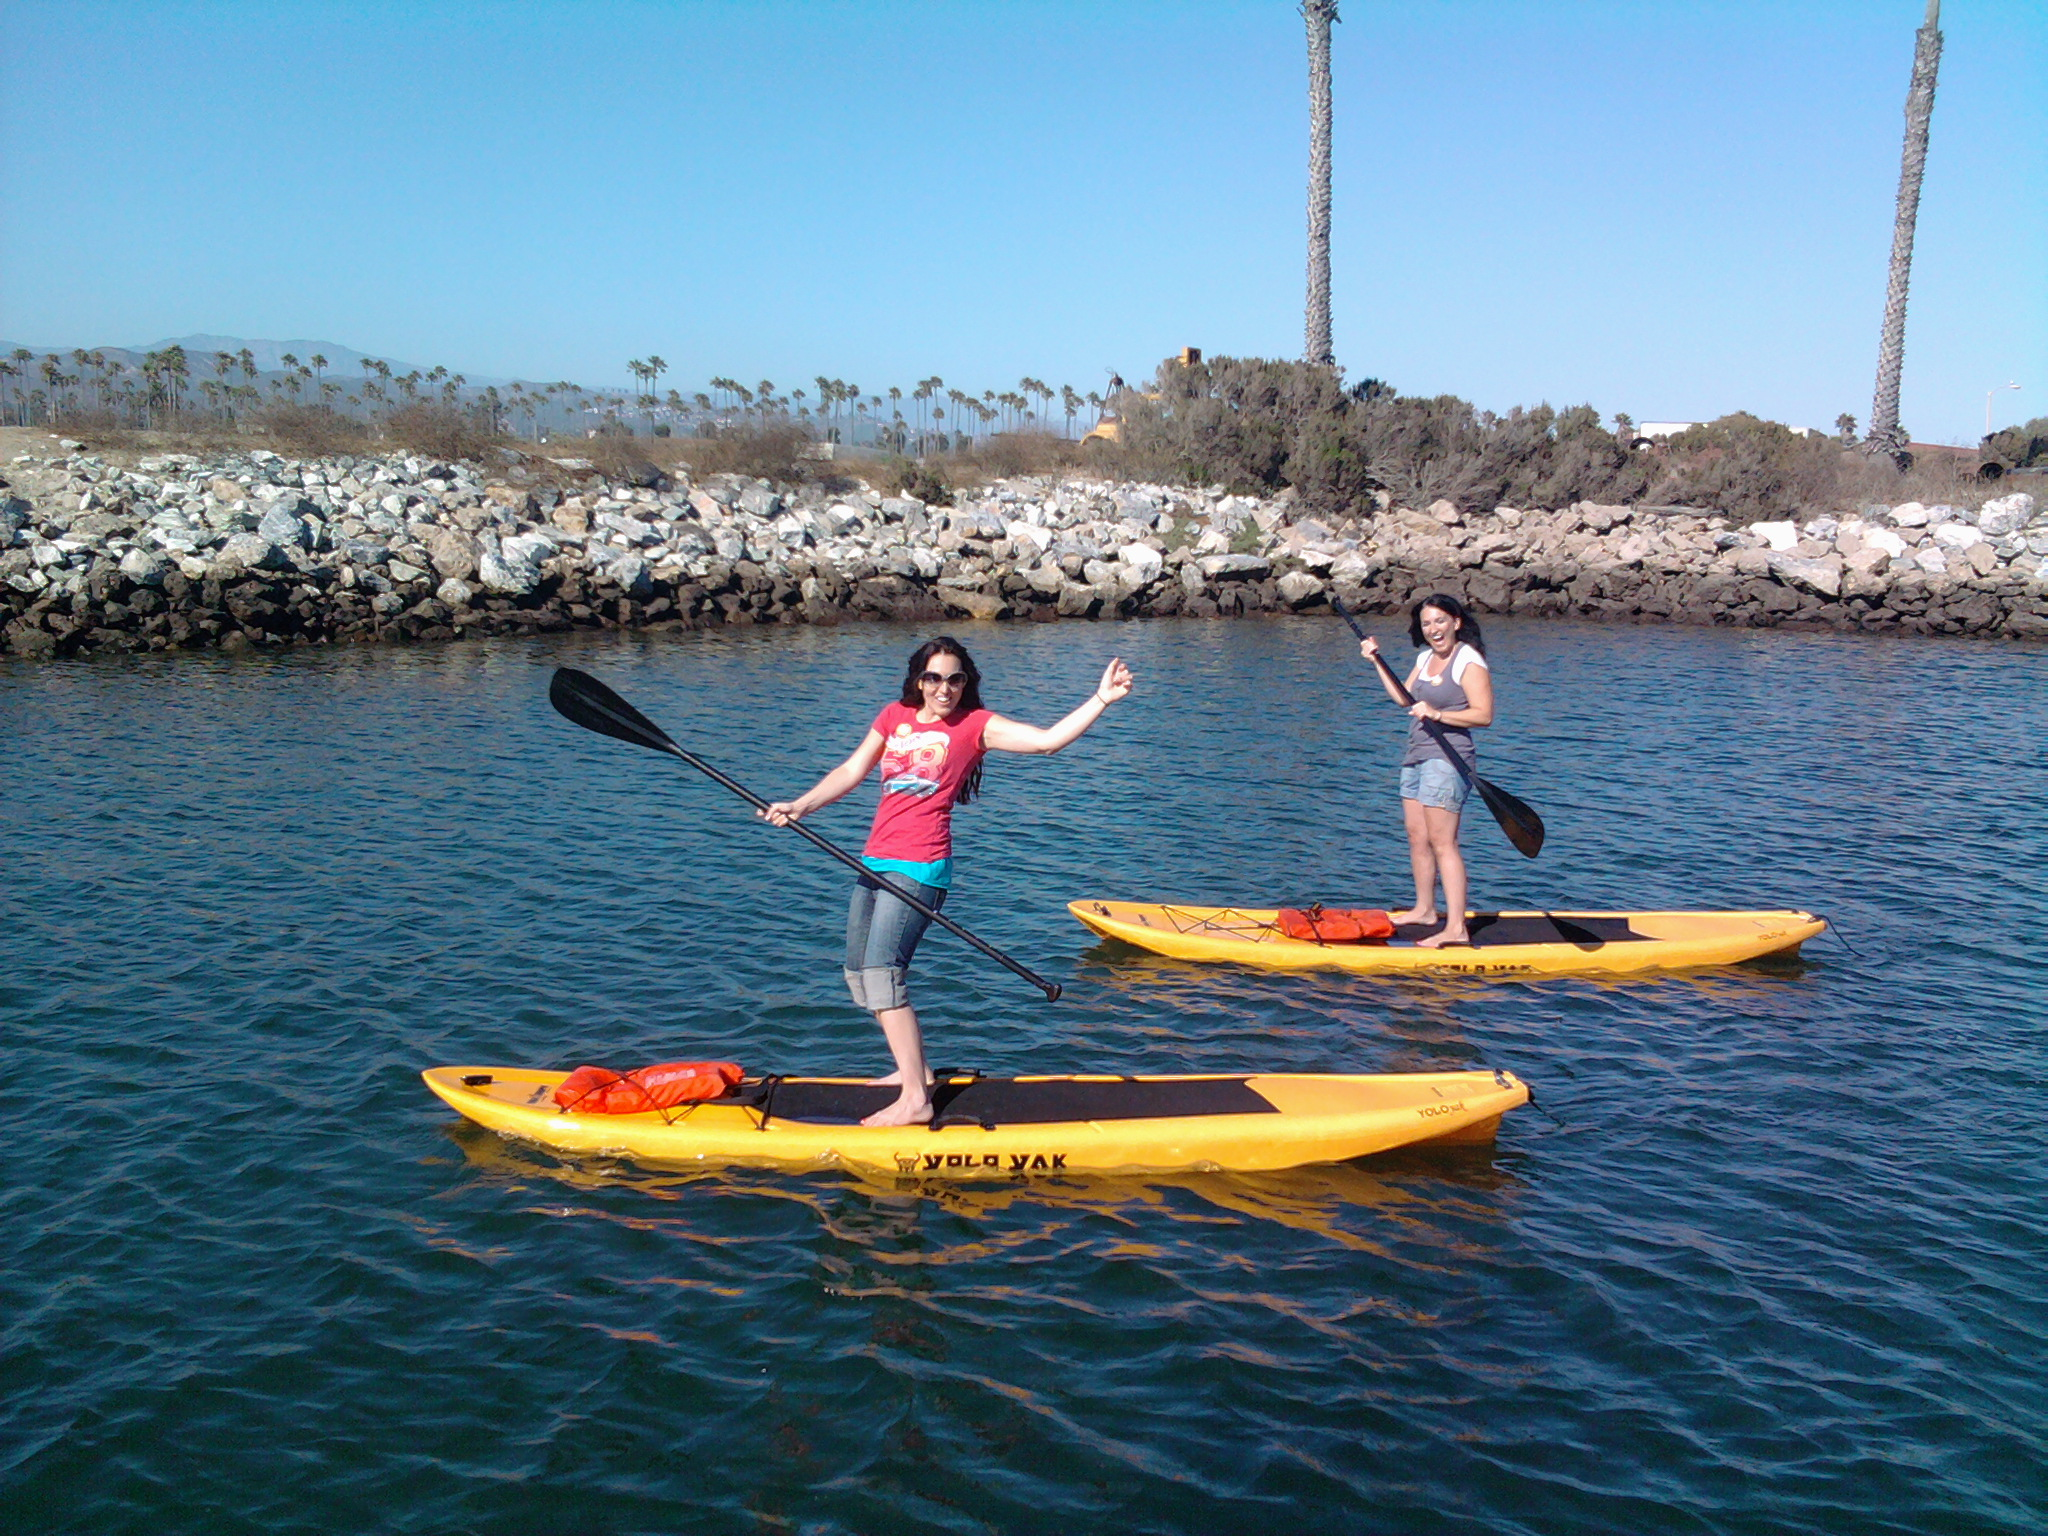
1503 943
1014 1127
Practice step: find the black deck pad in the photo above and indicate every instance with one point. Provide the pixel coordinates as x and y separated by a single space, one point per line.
1007 1101
1489 929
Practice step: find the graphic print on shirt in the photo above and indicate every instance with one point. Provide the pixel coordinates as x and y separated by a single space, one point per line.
913 761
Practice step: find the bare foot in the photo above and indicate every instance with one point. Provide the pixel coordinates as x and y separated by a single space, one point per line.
895 1079
1448 936
1414 915
905 1111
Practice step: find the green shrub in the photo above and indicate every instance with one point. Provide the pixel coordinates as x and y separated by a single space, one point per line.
1748 468
441 432
774 452
1255 424
2023 447
309 431
913 477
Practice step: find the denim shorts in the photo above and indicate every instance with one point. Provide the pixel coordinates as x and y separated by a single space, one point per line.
1435 782
882 931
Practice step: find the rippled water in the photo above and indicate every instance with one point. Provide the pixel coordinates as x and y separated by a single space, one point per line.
1770 1257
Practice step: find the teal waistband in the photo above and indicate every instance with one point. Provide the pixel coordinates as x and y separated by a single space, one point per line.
939 872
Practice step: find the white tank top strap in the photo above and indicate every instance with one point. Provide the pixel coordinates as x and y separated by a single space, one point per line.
1463 659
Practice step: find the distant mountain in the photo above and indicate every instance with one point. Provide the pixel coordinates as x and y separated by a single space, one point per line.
342 362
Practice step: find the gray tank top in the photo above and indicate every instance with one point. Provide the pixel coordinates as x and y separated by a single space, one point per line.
1447 695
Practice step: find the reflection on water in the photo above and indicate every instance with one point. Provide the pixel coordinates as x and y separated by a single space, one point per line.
1323 1201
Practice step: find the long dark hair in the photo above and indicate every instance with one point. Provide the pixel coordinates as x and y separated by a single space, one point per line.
970 696
1467 627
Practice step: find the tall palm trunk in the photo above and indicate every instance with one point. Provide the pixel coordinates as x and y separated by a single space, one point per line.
1316 342
1885 436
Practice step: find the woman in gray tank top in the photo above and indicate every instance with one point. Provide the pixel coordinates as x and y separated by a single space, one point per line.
1453 687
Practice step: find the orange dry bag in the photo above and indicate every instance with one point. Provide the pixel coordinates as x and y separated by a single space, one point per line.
595 1091
1335 925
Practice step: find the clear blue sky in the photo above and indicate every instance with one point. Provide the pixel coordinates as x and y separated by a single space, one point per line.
1666 208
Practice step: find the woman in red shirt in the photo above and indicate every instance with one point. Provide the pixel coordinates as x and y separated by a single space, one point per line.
930 744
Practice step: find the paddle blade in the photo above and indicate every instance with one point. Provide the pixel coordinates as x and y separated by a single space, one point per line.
582 698
1522 825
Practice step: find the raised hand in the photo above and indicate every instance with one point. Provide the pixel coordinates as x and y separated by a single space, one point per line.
1116 683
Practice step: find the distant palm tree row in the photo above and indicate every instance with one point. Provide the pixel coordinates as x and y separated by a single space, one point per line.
166 392
839 412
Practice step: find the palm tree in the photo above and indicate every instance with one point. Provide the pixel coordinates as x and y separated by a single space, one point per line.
1316 340
1885 436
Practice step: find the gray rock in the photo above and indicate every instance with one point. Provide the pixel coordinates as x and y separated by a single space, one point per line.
1817 575
453 552
362 552
1077 601
142 568
759 501
1047 579
253 552
974 603
689 542
1601 518
1142 563
286 529
513 578
2006 514
456 594
629 574
97 525
230 519
1298 587
528 548
1236 567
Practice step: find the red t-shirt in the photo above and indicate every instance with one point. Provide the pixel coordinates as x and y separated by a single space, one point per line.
923 767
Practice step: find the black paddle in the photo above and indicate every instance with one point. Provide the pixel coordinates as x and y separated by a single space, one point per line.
583 699
1522 825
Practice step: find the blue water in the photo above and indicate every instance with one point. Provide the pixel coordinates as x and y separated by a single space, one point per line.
1769 1257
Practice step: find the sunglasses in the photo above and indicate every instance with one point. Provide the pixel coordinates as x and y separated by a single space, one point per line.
943 679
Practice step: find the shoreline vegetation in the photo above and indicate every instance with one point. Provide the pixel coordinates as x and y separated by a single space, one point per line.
239 547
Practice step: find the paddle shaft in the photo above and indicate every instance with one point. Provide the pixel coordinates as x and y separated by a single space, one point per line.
1051 989
636 728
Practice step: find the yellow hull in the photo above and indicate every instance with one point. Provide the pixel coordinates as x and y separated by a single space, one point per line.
1313 1119
1655 941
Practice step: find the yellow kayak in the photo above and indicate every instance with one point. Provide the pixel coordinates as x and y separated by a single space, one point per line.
1503 943
1014 1127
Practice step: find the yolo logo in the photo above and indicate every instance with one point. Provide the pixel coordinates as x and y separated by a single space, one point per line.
993 1162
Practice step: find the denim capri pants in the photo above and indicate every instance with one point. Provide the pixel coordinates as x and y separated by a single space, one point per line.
1435 782
882 931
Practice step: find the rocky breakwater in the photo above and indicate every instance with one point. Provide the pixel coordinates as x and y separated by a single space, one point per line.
1913 568
257 550
253 549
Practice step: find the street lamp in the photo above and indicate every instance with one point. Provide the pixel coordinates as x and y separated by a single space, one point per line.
1987 404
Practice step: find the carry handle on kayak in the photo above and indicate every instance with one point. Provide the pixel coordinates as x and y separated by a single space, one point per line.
1522 825
582 698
